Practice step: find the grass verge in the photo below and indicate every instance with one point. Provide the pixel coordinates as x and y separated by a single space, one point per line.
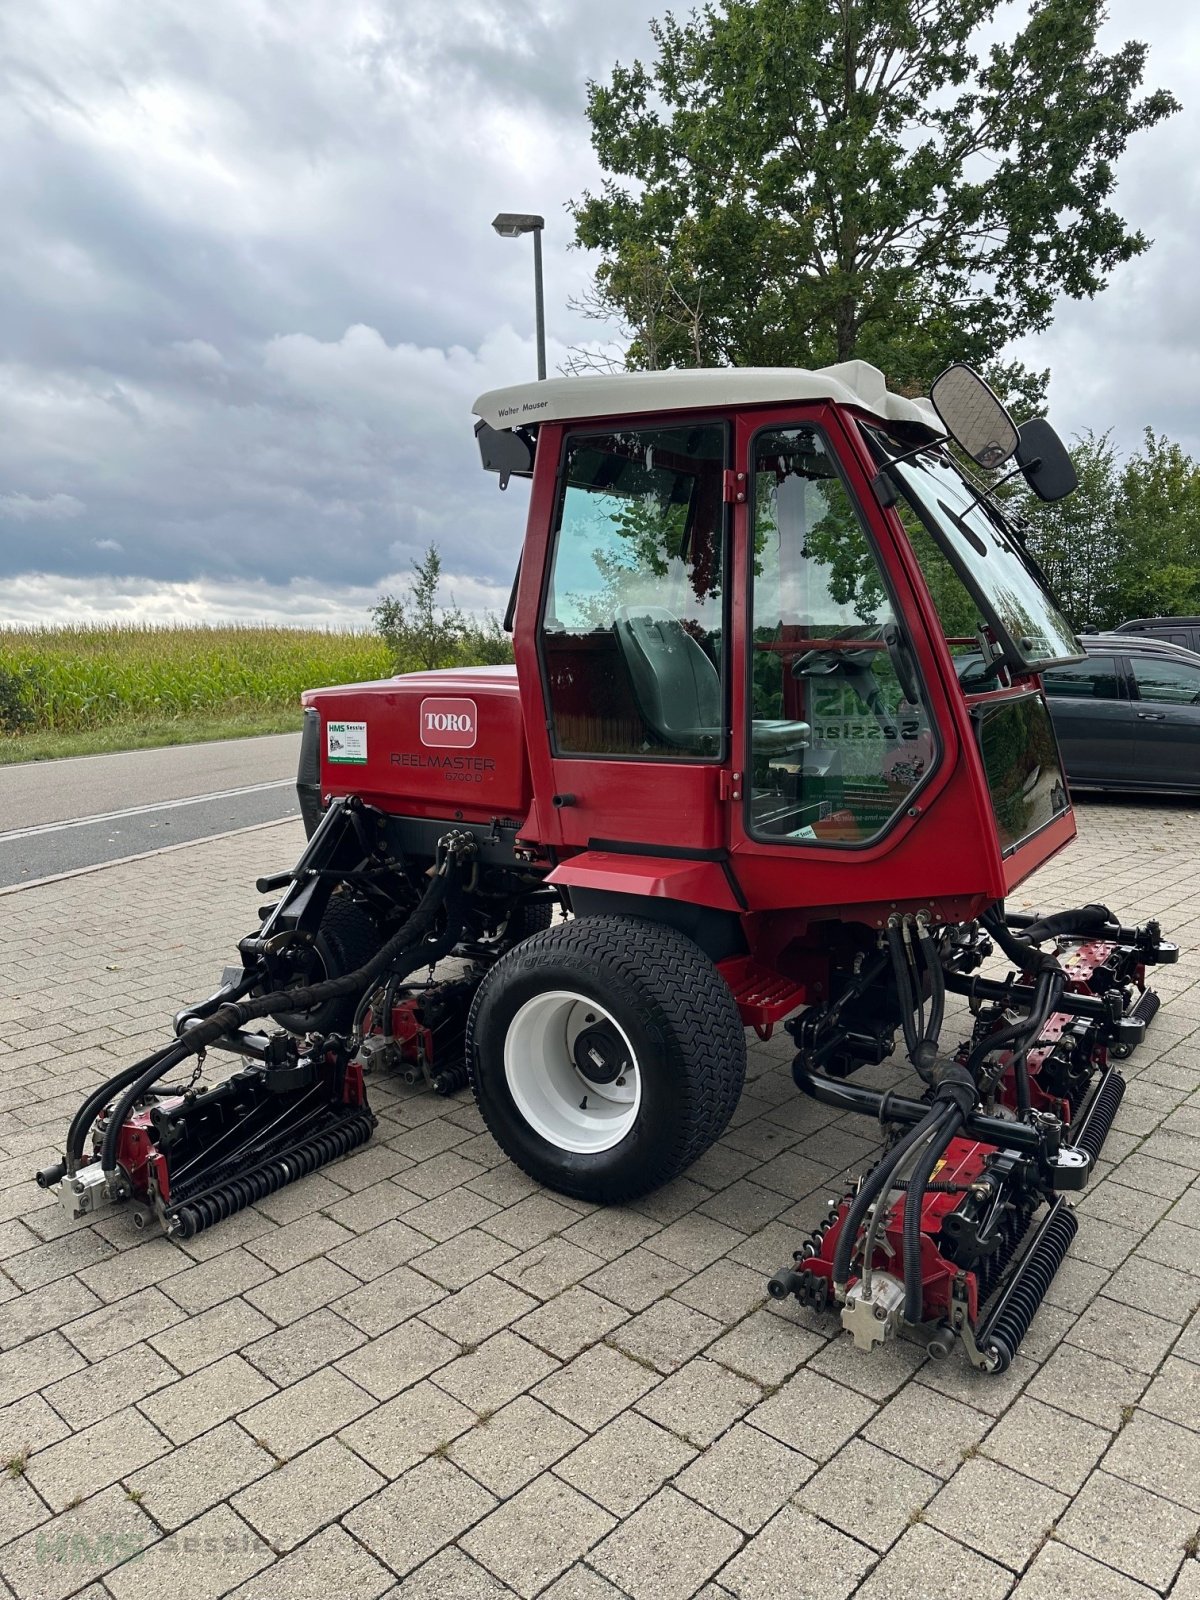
145 735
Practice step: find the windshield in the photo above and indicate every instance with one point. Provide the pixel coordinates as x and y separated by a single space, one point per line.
986 555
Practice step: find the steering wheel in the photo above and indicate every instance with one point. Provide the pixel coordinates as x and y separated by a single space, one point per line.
821 663
856 660
839 653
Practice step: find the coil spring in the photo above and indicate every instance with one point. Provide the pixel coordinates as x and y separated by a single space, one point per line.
1009 1323
813 1245
224 1199
1100 1115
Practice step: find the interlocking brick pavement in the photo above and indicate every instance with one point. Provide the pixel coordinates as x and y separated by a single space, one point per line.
416 1375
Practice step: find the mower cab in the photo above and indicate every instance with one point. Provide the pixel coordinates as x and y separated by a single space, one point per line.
736 752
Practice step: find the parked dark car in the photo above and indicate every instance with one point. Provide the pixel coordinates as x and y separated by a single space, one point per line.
1183 631
1127 717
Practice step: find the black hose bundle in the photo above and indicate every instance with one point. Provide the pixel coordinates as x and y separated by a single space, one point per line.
1021 1034
954 1100
1082 921
914 1291
872 1186
937 978
1020 949
920 1038
406 945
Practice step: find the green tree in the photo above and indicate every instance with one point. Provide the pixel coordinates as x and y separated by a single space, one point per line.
806 181
1074 540
1156 534
423 633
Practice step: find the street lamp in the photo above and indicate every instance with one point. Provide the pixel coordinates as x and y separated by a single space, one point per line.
511 225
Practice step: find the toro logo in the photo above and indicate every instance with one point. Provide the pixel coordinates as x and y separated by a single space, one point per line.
450 724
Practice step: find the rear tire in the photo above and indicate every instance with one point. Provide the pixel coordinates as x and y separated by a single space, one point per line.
649 1016
528 917
347 939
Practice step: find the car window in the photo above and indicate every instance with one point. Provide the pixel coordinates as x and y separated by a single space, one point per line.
1173 682
1097 678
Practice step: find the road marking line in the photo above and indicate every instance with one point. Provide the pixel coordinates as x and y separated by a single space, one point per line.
141 811
145 855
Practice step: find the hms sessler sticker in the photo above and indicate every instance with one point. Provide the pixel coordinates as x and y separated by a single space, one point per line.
346 742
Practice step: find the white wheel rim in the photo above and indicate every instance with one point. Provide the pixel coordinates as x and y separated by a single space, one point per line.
569 1110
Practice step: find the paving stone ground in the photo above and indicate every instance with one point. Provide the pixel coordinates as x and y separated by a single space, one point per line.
415 1374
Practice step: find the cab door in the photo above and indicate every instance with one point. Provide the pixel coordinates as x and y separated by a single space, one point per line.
630 638
842 726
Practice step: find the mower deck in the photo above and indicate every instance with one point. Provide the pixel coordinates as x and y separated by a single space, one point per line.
995 1220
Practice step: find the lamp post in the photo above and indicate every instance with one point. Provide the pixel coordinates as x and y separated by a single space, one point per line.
511 225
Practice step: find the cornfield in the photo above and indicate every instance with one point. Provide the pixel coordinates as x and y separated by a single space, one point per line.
77 678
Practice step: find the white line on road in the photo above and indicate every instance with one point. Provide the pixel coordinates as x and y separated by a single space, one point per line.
140 811
145 855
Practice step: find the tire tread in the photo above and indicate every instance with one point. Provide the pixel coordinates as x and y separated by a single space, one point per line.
673 977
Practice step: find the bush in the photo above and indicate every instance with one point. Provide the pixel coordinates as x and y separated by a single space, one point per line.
16 714
423 635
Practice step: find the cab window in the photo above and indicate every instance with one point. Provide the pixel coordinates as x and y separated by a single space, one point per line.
840 735
632 635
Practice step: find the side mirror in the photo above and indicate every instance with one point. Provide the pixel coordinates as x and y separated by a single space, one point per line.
504 451
974 417
1044 460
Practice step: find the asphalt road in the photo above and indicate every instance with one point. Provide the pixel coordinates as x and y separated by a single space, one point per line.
59 816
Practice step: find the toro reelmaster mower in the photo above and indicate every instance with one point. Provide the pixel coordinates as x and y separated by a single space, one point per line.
737 749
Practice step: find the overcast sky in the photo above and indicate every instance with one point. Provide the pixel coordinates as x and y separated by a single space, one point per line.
248 289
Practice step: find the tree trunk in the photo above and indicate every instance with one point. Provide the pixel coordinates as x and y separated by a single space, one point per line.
846 327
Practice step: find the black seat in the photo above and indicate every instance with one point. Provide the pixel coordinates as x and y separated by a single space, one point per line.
678 689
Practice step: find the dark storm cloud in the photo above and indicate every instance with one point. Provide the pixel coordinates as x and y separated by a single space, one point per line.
248 289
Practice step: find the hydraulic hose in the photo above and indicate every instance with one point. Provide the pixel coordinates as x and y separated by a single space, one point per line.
918 982
914 1204
404 945
1020 1035
937 978
1021 951
908 1003
430 953
99 1097
920 1038
1082 921
869 1190
879 1211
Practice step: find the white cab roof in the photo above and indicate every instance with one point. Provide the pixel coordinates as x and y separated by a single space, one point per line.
850 383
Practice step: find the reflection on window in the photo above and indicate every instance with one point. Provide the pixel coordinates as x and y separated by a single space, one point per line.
1097 678
632 632
1174 683
840 735
1020 759
983 549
